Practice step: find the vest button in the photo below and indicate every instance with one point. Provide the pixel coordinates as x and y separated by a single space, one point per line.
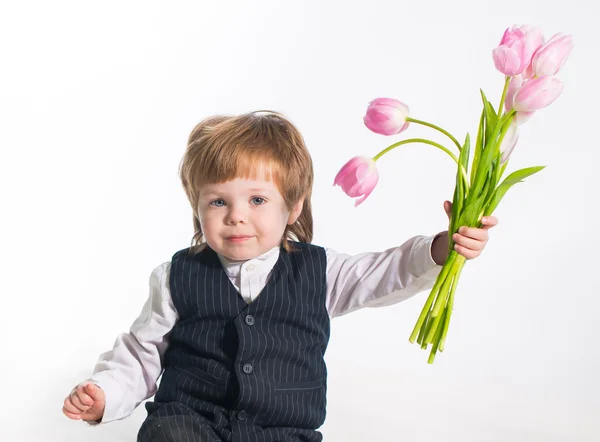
248 368
249 319
242 415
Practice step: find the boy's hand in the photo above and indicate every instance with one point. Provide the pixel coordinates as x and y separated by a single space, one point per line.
470 241
85 402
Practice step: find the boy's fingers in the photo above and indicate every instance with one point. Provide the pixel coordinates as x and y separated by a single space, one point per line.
94 392
84 397
448 208
80 406
71 415
488 222
71 407
469 254
474 233
468 243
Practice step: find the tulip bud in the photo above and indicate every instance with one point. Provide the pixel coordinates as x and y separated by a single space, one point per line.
386 116
516 49
358 177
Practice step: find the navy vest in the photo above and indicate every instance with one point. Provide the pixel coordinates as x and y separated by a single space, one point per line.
255 371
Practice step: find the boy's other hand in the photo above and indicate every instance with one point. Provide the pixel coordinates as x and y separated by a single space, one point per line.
86 402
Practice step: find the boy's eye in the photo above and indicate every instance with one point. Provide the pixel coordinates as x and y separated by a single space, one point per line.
217 203
257 200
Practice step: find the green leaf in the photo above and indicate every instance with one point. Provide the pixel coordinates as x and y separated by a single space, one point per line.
478 146
491 118
474 208
490 151
460 189
464 153
495 168
470 213
516 177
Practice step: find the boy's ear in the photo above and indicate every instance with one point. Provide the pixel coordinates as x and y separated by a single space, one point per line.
296 211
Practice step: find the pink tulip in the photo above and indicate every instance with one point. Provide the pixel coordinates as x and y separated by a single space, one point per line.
516 49
537 93
358 177
386 116
513 86
509 141
551 57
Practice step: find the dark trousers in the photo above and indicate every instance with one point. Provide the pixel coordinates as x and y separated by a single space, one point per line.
176 423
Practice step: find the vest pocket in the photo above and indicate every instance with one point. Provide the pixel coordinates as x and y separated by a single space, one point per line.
202 376
299 386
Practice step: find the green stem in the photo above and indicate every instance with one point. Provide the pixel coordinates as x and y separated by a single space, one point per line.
436 341
422 331
506 81
450 304
438 282
436 334
419 328
433 126
432 143
442 298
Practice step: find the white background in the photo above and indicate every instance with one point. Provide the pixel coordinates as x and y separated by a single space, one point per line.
97 100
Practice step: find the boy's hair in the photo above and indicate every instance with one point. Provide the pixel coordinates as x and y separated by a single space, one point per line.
221 148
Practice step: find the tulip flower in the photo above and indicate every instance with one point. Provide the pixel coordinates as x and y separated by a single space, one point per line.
537 93
516 49
386 116
551 57
357 178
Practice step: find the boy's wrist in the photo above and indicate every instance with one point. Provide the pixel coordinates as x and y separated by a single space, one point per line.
439 248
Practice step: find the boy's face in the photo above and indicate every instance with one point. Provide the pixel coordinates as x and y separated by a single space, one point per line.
244 218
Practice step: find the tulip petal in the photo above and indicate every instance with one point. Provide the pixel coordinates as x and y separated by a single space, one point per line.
537 93
553 55
521 117
358 176
367 193
347 168
513 86
506 60
509 141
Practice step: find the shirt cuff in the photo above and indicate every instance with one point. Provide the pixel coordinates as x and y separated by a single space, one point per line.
112 394
422 263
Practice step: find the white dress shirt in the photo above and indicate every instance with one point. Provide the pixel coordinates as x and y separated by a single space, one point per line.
128 373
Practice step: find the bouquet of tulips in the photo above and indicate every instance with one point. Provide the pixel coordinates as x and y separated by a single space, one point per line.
530 66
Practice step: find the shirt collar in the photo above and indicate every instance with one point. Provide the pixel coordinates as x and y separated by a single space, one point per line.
263 263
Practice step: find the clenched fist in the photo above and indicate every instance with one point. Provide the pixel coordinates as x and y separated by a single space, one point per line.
86 402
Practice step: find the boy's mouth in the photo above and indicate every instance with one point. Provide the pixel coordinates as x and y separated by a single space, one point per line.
238 238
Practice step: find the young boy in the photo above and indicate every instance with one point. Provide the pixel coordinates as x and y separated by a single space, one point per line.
238 323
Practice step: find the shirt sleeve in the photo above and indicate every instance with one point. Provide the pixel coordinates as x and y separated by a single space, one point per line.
129 372
377 279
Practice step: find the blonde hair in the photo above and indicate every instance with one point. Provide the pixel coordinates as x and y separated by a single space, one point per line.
221 148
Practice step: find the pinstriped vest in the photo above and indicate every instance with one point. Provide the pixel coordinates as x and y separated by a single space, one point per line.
252 368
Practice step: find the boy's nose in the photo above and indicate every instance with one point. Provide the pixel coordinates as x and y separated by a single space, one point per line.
235 216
